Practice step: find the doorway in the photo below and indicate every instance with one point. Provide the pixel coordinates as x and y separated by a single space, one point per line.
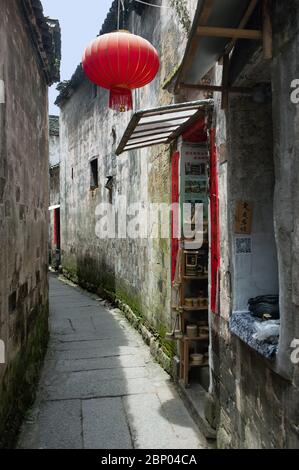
55 239
190 255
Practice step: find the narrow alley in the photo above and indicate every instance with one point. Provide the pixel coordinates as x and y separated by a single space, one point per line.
149 229
100 388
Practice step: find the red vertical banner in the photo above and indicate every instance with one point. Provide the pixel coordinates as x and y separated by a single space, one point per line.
214 223
175 198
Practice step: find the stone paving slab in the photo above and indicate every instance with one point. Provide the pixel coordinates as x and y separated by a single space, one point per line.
81 327
97 344
90 336
92 378
105 424
184 427
89 352
65 330
153 427
105 388
58 427
97 363
100 388
149 429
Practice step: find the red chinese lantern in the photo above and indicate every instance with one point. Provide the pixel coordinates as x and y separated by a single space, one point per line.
120 62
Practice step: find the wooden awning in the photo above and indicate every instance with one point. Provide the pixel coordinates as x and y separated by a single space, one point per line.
216 28
162 125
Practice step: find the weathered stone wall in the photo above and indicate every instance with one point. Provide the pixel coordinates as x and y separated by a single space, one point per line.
54 143
54 150
135 270
23 216
54 185
257 400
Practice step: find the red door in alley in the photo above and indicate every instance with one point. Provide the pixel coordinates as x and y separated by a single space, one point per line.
56 228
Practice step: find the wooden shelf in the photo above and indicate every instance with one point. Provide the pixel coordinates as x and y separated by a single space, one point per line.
192 250
194 309
204 364
196 278
198 338
201 312
182 309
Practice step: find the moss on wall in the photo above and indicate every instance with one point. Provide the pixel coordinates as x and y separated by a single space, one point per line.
132 299
19 383
169 347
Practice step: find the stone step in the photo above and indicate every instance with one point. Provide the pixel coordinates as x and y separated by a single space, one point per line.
195 398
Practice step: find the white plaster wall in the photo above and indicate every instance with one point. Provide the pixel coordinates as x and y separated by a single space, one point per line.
54 150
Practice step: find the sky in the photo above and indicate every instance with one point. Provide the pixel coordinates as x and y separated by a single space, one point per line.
80 22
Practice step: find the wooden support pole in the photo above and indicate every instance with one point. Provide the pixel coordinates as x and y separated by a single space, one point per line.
267 29
237 33
217 88
224 102
243 23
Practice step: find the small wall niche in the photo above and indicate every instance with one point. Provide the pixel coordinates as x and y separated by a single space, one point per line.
94 174
252 181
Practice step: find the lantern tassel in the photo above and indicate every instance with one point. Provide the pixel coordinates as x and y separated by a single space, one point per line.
121 99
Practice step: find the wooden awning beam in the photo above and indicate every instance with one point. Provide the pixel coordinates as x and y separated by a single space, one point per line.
234 33
217 88
243 23
225 81
267 29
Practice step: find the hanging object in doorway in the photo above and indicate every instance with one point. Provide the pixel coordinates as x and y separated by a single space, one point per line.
120 62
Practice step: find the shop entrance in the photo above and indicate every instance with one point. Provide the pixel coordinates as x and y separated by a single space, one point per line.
190 254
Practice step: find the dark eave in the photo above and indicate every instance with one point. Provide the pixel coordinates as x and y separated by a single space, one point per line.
46 37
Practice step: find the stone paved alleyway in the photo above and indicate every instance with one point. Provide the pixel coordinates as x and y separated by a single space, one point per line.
100 388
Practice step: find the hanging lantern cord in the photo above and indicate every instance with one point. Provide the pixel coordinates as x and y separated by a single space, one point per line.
123 7
151 5
121 4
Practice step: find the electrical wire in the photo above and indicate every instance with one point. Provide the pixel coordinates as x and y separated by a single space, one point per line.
121 3
150 4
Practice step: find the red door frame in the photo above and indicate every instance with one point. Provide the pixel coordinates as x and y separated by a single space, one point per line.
175 199
214 224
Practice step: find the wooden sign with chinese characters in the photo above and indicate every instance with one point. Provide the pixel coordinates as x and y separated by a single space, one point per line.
243 217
